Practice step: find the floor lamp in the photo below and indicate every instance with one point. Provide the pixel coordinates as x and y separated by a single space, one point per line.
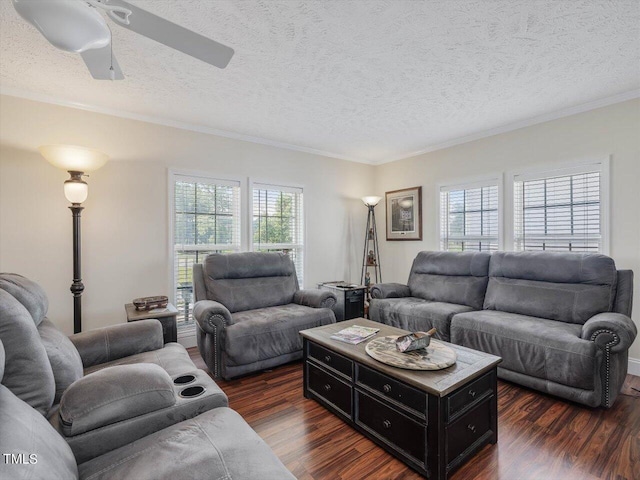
76 160
371 253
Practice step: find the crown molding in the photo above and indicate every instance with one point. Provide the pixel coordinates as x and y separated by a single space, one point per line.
167 122
565 112
509 127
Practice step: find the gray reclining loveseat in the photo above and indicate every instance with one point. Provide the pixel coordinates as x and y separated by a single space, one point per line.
140 409
249 311
561 322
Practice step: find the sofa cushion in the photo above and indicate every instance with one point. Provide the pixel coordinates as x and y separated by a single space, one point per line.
63 356
270 332
451 277
416 314
24 431
173 357
27 371
217 444
538 347
28 293
250 280
568 287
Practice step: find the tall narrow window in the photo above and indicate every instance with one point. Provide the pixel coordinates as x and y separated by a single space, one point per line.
559 211
278 222
206 219
469 217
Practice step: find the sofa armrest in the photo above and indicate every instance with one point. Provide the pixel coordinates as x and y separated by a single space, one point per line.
610 330
315 298
117 341
114 394
211 315
390 290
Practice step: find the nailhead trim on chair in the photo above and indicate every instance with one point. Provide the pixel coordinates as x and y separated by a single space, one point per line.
216 356
607 360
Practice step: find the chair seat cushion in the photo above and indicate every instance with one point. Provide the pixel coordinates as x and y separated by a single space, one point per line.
173 357
533 346
415 314
217 444
269 332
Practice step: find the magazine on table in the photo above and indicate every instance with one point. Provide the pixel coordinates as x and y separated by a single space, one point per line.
355 334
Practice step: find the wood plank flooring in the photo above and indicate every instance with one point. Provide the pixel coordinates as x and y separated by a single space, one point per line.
539 436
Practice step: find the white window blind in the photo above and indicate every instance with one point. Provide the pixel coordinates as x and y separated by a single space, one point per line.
206 219
469 218
278 222
558 212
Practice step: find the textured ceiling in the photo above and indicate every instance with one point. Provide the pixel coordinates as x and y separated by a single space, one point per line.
369 80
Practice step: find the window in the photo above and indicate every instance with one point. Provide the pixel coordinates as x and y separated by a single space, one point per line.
206 219
277 222
560 210
470 217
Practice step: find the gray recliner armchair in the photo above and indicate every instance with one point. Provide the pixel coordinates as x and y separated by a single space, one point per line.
249 311
99 389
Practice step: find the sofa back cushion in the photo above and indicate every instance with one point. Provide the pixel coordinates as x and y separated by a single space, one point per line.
569 287
28 293
43 453
63 356
451 277
27 371
250 280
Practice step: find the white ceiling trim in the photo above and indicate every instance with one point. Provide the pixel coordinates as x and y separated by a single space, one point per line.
547 117
167 122
566 112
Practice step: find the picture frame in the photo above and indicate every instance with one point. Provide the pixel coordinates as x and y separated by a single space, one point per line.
404 214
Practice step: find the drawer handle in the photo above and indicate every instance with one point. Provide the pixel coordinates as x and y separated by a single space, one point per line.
386 424
386 387
471 427
327 387
472 393
327 359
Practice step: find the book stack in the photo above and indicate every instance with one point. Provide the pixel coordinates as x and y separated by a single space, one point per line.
355 334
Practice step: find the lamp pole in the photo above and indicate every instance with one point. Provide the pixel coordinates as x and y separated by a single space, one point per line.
77 287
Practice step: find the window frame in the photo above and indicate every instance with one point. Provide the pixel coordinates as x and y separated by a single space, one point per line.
576 167
468 183
207 177
283 186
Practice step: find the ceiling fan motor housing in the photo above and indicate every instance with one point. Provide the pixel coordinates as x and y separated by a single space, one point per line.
70 25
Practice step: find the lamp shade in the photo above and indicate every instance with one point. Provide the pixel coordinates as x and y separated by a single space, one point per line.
73 158
371 201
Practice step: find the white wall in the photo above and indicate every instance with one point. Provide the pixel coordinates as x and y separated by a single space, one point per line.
125 221
610 131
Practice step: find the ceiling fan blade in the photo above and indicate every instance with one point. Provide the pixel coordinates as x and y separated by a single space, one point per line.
99 62
174 36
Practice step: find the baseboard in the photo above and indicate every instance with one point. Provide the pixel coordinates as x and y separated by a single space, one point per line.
188 339
634 366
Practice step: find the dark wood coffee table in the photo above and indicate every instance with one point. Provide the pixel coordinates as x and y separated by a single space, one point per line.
433 421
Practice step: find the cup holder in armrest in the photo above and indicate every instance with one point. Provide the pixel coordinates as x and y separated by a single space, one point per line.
184 379
191 392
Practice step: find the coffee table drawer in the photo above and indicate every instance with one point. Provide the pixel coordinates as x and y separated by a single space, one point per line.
468 429
469 394
330 359
390 388
330 388
403 434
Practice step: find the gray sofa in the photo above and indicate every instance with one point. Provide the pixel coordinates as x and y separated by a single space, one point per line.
249 311
561 322
109 403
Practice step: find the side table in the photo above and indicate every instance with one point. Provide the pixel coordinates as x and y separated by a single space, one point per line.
350 299
167 317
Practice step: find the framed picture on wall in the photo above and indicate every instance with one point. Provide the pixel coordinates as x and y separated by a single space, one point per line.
404 214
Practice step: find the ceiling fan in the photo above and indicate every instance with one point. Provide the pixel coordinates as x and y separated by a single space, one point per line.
78 26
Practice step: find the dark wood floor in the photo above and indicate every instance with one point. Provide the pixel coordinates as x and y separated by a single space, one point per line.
540 437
